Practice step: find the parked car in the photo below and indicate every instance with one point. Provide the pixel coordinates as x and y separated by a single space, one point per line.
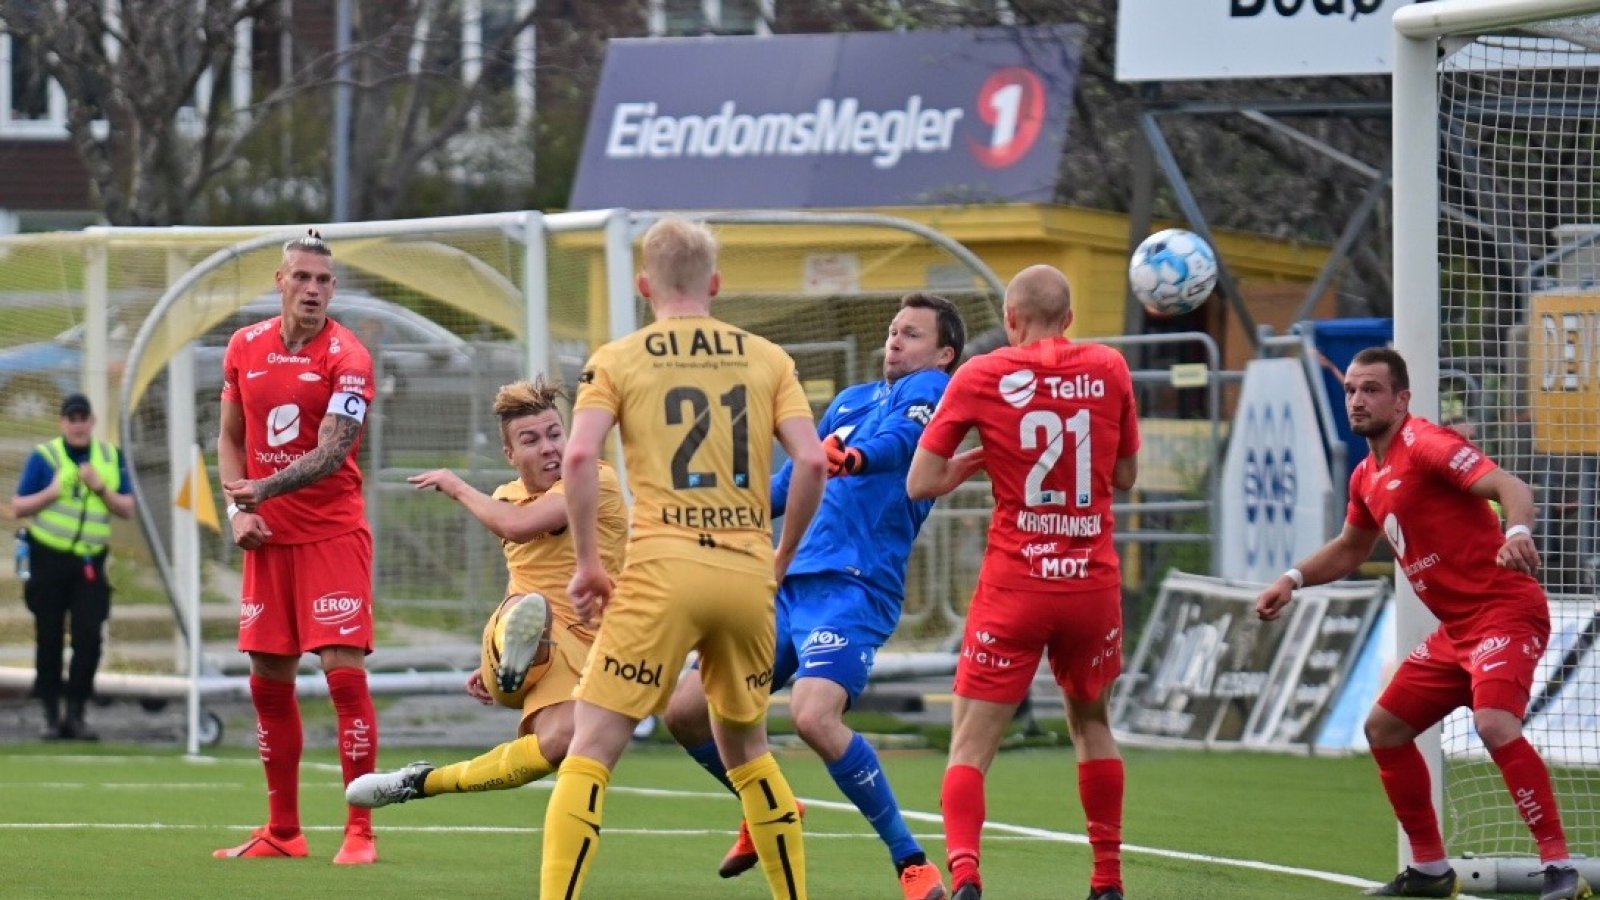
36 375
434 387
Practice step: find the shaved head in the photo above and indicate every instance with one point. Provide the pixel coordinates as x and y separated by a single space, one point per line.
1040 295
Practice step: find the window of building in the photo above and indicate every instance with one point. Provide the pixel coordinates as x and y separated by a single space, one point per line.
675 18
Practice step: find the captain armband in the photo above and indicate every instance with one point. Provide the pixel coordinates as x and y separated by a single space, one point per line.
351 406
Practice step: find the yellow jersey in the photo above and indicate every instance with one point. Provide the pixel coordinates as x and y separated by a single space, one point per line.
698 402
545 563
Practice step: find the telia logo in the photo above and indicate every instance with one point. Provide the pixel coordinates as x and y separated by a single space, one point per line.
283 425
1012 102
335 608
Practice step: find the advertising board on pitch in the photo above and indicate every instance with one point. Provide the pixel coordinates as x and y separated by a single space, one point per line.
1564 371
854 119
1175 40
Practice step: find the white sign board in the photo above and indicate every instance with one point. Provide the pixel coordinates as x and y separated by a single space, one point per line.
1173 40
1276 488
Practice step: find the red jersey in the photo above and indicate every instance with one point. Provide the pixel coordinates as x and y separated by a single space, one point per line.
1444 537
1054 418
285 395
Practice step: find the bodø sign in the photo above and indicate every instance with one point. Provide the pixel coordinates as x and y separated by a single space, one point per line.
1164 40
858 119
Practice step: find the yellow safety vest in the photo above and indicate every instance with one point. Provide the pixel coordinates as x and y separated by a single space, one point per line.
78 522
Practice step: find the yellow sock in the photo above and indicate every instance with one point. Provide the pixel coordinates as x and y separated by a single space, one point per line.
572 827
510 765
774 819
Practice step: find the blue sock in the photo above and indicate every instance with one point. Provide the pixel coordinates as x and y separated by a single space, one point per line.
859 774
708 758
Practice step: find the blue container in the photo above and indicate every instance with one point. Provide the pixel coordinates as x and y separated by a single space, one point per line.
1339 340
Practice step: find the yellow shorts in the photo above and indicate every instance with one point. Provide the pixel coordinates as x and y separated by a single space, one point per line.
663 608
548 683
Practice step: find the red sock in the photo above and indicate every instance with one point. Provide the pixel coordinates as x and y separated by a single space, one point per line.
1100 786
1529 782
358 732
279 740
1405 779
962 801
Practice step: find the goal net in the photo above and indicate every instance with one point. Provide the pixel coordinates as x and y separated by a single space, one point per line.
1497 172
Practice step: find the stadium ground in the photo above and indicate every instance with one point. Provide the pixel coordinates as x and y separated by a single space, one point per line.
135 823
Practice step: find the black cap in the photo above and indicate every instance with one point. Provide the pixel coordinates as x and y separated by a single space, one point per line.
75 405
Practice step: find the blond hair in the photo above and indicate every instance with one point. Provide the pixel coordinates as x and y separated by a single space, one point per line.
524 398
680 256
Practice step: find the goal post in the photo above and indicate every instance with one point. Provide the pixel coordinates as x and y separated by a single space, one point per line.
1497 312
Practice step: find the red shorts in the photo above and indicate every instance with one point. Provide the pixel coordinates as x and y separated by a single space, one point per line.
1008 630
299 598
1493 670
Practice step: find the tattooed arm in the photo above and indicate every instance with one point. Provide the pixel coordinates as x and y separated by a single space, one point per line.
336 436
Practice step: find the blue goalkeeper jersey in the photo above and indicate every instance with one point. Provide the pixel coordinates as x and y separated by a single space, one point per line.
866 524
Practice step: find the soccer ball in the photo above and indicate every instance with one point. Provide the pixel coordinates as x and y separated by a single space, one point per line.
1173 272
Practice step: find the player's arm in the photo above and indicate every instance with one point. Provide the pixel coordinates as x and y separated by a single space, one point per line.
336 436
1333 561
590 587
1516 502
507 521
890 448
932 475
808 478
249 529
1125 473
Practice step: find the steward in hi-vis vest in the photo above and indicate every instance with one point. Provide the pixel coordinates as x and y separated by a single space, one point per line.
70 488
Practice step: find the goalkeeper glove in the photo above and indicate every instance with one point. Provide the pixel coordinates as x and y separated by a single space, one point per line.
843 460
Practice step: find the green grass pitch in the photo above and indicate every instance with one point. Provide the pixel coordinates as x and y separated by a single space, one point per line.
131 823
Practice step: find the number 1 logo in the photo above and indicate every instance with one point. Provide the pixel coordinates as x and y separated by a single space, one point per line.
1012 102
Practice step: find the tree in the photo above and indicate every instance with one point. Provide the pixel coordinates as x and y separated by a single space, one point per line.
131 71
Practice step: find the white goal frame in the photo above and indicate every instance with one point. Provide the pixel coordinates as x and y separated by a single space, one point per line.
1417 302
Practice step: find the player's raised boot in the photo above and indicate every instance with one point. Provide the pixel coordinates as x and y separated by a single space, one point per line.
526 628
1106 894
376 789
1412 883
922 882
359 848
742 856
971 890
263 844
1564 883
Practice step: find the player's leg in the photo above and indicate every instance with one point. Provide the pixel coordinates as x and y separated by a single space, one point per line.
835 663
267 633
543 737
689 721
1426 687
333 583
631 669
1502 669
736 662
999 654
1086 658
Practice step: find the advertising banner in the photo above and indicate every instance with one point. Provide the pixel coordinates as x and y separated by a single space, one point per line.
1564 371
1171 40
1276 489
830 120
1208 672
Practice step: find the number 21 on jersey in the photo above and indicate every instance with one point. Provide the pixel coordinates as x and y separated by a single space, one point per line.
1047 431
691 405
